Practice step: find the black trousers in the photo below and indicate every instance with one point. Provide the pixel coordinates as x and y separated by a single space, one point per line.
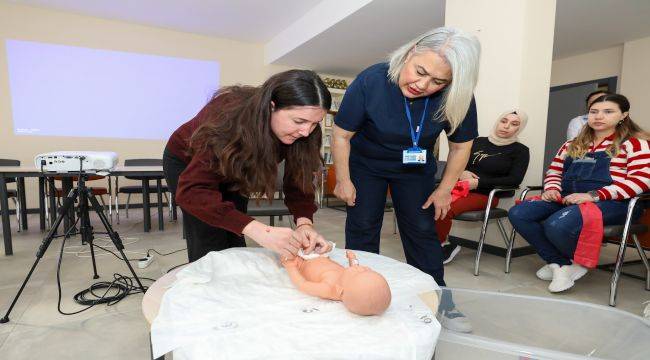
410 188
201 237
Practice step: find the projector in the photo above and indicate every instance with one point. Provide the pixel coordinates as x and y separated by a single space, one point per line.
72 161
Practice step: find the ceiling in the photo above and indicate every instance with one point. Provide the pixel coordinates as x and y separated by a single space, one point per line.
361 37
583 26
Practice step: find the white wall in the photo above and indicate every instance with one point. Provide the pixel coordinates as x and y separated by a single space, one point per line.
589 66
635 80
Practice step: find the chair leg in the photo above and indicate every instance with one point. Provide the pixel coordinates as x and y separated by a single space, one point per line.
613 284
126 207
481 241
511 245
47 209
504 234
644 258
169 205
17 206
117 207
272 222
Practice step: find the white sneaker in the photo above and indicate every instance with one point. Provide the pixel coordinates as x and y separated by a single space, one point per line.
455 320
546 272
565 276
646 312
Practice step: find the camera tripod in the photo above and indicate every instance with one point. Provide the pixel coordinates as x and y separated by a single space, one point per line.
84 195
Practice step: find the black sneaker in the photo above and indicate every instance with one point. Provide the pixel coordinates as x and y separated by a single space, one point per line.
449 251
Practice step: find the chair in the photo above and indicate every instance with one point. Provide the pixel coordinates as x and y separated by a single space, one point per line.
621 232
484 216
137 189
262 207
11 193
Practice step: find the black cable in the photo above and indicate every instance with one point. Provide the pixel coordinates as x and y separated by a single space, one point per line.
122 285
114 254
177 266
149 251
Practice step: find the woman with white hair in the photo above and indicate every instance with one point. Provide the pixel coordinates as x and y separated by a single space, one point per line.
496 160
384 135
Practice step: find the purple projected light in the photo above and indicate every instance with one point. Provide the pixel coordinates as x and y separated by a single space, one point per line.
61 90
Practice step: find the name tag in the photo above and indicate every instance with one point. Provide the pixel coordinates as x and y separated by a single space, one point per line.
414 156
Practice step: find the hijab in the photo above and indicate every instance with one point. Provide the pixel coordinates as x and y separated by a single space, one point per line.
499 141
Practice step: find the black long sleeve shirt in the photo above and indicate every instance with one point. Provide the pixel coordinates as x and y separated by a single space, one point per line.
497 165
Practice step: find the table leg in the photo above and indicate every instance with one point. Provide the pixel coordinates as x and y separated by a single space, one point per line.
41 202
161 222
145 205
23 202
4 208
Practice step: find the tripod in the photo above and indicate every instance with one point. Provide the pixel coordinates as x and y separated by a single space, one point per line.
84 195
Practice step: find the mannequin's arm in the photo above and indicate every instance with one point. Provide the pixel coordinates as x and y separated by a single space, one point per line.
321 289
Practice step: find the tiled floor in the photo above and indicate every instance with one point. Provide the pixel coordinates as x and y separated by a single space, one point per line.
37 330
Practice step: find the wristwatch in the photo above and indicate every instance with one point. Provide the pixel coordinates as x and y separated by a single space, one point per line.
594 195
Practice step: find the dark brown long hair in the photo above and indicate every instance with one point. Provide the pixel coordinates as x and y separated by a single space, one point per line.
625 129
238 133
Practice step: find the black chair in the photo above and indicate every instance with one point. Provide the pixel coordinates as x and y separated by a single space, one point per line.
262 207
13 193
137 189
620 232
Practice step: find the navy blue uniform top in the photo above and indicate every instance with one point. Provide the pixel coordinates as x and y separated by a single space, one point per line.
373 107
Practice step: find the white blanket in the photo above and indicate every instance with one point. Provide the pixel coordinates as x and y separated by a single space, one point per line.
240 304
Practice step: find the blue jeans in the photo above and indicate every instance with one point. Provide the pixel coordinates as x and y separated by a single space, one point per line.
553 229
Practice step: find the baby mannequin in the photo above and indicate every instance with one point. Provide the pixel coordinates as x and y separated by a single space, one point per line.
362 290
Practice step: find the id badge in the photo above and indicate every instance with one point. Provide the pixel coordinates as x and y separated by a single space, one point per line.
414 156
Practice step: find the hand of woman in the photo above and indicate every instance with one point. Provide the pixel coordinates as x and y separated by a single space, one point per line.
311 240
441 200
551 195
467 175
346 191
277 239
473 184
577 198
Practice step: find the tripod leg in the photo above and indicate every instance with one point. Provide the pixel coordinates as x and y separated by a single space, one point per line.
62 213
114 236
85 228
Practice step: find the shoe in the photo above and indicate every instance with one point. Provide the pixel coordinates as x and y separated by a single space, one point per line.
449 251
454 320
546 272
646 312
565 276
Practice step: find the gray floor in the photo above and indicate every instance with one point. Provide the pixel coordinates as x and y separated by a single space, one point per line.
37 330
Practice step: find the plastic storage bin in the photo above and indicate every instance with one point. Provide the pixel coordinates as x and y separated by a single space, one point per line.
508 326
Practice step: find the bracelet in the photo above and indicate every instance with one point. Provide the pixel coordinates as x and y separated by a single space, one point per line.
303 224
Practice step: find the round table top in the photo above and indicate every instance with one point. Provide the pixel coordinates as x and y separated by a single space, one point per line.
153 296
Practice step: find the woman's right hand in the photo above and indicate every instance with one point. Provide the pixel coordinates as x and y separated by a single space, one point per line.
551 195
346 191
277 239
467 175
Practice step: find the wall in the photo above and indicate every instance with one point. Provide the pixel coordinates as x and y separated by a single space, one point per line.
589 66
240 63
635 79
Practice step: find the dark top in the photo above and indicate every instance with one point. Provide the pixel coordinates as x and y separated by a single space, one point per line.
198 186
373 107
497 165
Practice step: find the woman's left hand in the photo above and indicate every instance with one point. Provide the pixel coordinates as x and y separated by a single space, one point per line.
577 198
311 240
473 183
441 200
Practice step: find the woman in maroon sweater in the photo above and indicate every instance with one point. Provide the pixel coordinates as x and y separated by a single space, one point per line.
232 149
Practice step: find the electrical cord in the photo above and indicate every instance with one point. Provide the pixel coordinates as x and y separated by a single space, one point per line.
149 251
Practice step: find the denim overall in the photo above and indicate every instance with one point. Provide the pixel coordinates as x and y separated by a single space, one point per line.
553 229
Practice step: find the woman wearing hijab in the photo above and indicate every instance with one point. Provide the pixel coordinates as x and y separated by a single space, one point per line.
498 160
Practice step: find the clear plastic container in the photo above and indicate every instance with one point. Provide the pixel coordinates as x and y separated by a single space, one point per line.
508 326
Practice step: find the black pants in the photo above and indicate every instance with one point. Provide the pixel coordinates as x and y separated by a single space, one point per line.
201 237
410 188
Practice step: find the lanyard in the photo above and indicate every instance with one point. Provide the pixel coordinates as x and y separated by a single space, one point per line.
415 135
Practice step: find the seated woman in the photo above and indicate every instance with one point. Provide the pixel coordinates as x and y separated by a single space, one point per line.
496 160
607 164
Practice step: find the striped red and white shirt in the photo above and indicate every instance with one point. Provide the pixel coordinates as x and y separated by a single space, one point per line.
630 170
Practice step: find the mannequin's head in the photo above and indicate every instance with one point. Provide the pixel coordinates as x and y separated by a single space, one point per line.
365 292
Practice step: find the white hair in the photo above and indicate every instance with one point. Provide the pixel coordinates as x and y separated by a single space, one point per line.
461 51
